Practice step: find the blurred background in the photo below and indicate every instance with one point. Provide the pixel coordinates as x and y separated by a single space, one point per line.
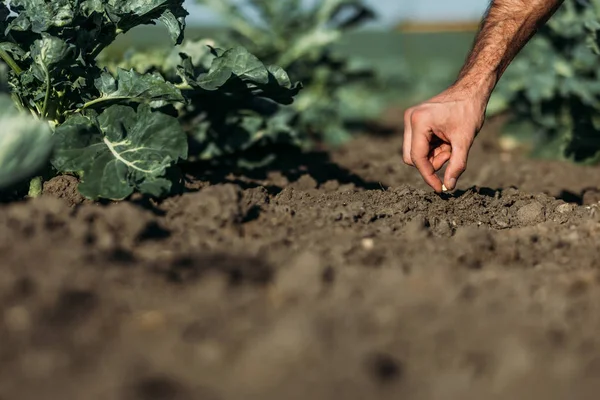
390 11
424 42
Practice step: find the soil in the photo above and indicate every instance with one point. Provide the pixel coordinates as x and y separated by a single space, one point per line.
335 275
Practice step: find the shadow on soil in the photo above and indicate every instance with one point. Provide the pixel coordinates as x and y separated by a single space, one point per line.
290 162
589 195
483 191
374 128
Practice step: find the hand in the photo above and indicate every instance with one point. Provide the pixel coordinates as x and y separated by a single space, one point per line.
443 129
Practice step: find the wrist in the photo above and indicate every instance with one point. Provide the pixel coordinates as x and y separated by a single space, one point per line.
477 86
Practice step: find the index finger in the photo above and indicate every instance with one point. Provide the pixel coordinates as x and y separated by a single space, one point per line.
420 146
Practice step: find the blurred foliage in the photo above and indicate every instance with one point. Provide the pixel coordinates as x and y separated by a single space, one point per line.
337 90
25 142
552 89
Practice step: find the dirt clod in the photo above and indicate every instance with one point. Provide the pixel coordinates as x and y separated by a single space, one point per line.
531 213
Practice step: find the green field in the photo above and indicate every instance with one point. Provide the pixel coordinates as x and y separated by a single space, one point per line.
431 60
421 50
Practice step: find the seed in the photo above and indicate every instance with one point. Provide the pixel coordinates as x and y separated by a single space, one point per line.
368 243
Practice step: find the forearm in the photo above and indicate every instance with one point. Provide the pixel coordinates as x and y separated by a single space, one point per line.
506 28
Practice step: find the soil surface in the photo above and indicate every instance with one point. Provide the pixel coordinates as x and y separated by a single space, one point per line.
336 276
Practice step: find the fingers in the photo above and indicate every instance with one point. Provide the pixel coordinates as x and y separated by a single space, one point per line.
440 159
407 138
457 164
419 154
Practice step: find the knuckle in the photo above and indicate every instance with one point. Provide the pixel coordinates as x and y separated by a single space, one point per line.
461 165
413 156
418 115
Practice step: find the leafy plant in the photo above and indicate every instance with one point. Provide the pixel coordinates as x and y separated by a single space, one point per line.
299 38
552 90
234 100
123 130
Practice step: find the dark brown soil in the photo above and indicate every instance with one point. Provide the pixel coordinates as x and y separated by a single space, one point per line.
342 277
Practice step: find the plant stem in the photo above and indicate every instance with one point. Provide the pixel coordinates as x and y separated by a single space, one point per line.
106 98
11 63
35 187
100 100
47 97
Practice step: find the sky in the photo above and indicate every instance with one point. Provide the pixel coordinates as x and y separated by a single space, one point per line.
392 11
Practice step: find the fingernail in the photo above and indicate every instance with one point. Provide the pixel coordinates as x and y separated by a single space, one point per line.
451 183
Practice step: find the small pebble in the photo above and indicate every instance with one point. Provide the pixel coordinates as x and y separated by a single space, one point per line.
564 208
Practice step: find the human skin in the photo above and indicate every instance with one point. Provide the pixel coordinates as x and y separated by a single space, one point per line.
442 129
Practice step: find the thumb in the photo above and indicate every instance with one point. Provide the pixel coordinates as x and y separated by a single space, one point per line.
456 165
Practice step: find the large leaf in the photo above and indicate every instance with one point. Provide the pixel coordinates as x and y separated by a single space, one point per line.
237 70
120 151
25 144
237 62
130 86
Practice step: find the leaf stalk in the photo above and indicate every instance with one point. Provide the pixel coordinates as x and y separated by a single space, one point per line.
10 62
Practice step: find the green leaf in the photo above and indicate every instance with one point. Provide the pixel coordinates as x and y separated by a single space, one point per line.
14 50
47 52
131 13
280 87
130 86
175 23
238 71
281 77
236 61
120 151
40 15
25 144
